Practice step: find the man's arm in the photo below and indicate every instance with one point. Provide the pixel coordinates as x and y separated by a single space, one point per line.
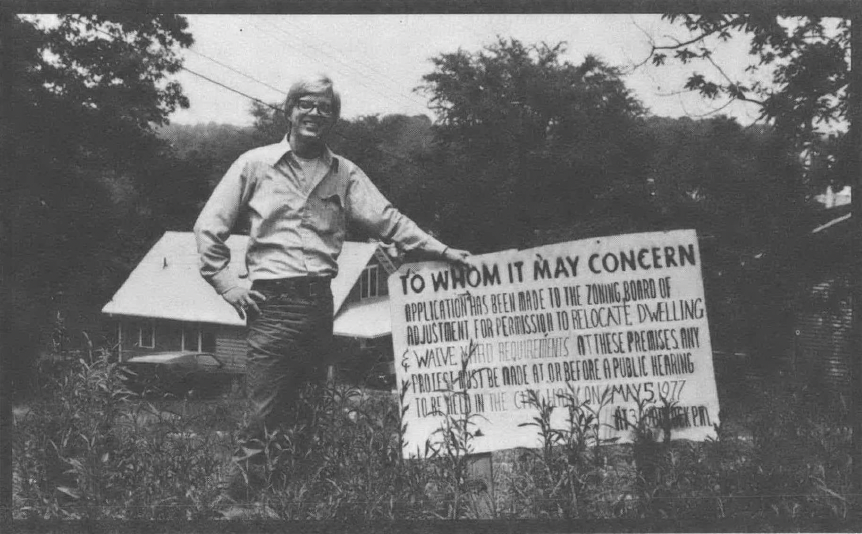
214 225
211 232
368 207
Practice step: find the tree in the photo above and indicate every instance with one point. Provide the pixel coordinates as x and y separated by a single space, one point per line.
393 150
528 140
808 61
270 122
742 190
83 96
203 152
810 66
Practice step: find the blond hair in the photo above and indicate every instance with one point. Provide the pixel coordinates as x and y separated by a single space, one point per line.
314 85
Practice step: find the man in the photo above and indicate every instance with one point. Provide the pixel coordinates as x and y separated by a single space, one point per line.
298 197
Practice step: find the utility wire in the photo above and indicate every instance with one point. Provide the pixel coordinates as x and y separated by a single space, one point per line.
252 78
237 91
395 92
383 97
237 71
381 75
279 110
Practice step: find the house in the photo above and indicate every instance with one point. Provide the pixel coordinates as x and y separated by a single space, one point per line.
165 305
833 199
823 310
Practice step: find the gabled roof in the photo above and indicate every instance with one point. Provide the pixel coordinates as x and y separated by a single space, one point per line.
367 318
166 283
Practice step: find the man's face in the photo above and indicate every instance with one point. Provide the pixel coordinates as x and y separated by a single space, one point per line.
312 117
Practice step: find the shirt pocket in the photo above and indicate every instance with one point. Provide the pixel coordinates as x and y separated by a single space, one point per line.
327 212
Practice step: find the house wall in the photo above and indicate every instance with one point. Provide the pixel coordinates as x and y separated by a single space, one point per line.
229 344
823 347
231 347
164 336
130 336
364 360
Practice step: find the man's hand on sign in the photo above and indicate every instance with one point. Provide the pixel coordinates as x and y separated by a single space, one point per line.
457 256
242 299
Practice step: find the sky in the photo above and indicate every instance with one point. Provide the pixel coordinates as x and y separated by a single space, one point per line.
376 61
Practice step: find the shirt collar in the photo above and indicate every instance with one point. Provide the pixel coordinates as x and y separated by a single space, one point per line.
277 151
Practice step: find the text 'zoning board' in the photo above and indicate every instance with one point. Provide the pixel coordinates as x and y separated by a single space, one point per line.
616 324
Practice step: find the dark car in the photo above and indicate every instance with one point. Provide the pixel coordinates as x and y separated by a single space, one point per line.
179 374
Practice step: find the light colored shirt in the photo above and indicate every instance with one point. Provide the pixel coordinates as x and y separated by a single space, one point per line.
297 222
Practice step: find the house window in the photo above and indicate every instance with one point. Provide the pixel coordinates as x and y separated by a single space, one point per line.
383 284
208 341
198 340
147 335
191 339
368 282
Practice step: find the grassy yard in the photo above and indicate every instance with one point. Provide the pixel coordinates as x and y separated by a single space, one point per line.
85 448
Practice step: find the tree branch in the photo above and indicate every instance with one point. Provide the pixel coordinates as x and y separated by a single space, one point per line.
731 82
698 38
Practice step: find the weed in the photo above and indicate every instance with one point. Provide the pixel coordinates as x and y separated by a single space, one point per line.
98 451
571 457
89 448
451 445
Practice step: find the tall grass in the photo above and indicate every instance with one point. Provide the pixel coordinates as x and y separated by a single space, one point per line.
90 448
449 451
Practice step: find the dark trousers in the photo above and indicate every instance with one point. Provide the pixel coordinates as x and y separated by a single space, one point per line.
289 344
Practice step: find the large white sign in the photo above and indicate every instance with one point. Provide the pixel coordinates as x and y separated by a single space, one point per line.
617 324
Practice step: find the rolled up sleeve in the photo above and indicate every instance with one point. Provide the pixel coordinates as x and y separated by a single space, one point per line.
214 225
371 210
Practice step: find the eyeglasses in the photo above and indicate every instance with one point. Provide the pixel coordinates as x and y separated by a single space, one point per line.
324 108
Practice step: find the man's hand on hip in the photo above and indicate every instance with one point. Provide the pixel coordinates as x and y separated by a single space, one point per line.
242 299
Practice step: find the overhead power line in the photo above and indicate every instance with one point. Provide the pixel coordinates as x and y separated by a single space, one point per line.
237 91
382 76
241 93
252 78
279 110
383 97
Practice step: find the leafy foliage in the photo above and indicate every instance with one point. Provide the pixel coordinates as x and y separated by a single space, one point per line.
84 171
86 448
743 190
200 155
521 128
807 60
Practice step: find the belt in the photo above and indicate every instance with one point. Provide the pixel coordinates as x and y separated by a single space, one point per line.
301 286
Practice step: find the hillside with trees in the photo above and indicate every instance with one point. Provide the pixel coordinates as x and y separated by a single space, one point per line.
527 148
530 149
